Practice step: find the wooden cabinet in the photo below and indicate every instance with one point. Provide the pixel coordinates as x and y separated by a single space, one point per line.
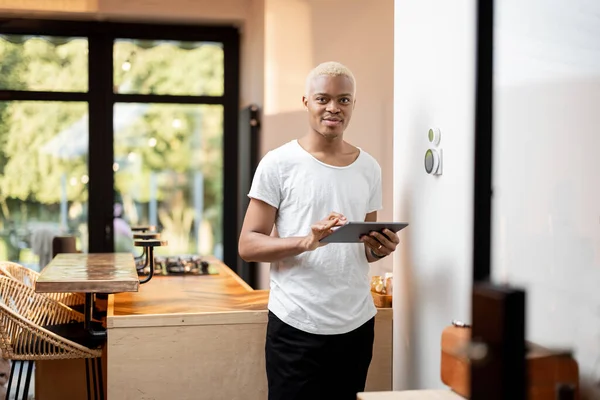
203 338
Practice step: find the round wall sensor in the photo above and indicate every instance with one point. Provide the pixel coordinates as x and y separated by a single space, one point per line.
432 162
434 135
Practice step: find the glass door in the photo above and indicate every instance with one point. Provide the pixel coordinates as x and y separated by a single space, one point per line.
107 125
43 145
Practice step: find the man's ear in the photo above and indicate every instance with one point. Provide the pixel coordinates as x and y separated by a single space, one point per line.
305 102
354 104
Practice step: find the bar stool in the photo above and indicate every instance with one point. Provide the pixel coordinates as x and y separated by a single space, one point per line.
28 325
148 245
139 260
63 244
143 228
146 235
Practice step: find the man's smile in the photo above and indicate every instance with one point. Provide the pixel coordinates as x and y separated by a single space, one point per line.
332 121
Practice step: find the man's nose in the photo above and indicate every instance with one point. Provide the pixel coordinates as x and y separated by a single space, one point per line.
332 107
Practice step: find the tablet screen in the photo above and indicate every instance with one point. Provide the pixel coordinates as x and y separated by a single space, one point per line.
353 231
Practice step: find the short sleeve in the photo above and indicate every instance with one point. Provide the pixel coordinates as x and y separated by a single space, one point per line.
376 198
266 185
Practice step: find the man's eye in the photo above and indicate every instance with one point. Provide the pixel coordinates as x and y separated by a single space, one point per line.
345 100
320 99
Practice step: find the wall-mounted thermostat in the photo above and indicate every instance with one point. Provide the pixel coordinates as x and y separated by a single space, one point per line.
433 155
435 136
433 162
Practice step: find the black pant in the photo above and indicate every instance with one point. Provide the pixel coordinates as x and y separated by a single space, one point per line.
305 366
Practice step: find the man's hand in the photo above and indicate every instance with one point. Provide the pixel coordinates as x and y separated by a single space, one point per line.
381 244
322 229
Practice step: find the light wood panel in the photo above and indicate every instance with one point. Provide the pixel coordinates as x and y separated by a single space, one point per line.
89 273
380 371
411 395
193 362
217 362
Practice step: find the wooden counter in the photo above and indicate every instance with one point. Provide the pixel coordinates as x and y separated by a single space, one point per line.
203 337
171 295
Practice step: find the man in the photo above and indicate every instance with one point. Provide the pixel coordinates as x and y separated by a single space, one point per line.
321 315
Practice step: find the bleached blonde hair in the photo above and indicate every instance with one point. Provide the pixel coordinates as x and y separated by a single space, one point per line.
329 68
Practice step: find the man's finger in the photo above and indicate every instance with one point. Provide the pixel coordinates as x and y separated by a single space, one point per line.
392 236
381 238
334 214
331 223
323 226
318 227
372 242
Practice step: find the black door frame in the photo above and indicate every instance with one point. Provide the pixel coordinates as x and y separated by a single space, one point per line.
498 311
101 99
482 204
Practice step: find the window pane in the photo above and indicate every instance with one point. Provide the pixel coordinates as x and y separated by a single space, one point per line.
169 173
43 178
168 67
43 63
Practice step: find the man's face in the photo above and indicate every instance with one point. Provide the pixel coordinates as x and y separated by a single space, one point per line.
330 102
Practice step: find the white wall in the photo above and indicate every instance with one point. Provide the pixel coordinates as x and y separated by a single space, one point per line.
546 227
434 64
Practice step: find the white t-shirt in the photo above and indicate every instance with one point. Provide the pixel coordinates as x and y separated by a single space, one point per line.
325 291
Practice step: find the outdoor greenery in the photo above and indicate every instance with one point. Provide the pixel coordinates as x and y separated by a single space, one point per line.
43 145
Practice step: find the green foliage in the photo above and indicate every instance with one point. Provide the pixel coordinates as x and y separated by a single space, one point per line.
173 142
186 139
25 127
166 68
38 64
30 174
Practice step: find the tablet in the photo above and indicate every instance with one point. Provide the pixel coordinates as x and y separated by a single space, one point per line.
352 231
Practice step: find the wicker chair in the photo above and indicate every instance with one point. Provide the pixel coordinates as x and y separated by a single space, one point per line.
27 321
29 277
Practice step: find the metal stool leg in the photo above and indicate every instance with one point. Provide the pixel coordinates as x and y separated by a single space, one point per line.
87 379
100 380
94 378
30 365
19 380
12 373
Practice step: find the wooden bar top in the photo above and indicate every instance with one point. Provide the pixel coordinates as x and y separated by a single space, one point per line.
89 273
191 300
411 395
167 298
